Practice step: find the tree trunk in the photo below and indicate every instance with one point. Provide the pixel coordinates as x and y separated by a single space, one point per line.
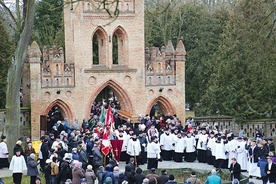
12 123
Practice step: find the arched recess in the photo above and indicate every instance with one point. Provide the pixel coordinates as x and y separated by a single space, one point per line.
121 94
119 46
164 103
63 107
99 46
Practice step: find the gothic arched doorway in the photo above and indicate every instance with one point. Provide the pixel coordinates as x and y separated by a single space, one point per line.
160 106
111 93
57 110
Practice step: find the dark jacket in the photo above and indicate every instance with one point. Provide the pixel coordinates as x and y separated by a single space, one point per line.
272 175
129 174
235 170
99 175
45 151
271 147
254 154
83 156
97 157
32 167
138 178
108 173
262 152
162 179
65 172
171 182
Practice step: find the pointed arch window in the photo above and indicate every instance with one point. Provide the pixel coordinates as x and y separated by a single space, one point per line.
115 50
119 47
95 46
99 50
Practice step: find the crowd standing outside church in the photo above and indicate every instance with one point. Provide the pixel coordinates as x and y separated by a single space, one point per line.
148 141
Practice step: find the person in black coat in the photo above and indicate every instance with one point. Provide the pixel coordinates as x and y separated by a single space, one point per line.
65 172
271 145
129 174
163 178
139 176
235 170
270 170
44 149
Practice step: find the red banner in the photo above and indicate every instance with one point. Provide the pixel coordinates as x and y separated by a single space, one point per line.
106 147
117 147
109 117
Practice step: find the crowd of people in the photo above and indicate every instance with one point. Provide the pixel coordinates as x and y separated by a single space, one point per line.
72 153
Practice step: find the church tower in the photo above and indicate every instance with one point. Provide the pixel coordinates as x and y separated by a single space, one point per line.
104 49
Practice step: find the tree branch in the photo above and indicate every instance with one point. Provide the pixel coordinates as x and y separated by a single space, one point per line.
8 10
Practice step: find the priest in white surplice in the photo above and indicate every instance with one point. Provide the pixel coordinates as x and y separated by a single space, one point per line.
178 147
166 141
232 150
241 154
202 146
133 147
125 138
210 157
190 144
153 153
219 152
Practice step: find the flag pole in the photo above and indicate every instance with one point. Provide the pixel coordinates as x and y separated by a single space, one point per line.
135 159
104 161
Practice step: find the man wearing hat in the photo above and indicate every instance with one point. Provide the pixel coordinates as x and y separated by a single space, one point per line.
193 179
17 165
163 178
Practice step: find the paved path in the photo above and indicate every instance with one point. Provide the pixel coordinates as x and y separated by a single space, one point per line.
165 164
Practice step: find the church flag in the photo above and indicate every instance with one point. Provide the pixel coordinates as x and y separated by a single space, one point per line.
109 120
105 147
103 114
117 147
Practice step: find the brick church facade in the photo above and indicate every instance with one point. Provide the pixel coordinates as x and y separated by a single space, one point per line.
71 79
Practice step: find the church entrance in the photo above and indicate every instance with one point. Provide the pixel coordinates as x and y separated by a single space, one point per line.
111 93
56 111
160 106
156 110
